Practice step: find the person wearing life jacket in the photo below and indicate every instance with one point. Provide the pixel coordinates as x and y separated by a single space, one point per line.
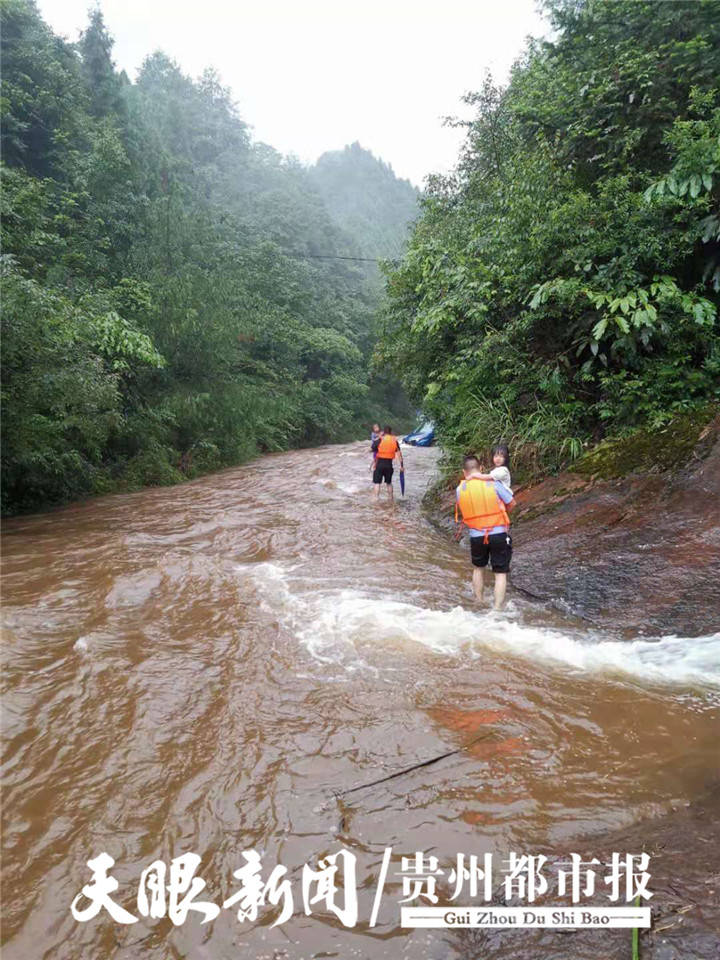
385 449
484 505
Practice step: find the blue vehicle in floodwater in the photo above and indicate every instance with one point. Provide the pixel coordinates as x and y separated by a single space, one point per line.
422 437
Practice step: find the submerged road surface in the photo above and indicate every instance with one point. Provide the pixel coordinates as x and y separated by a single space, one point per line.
201 668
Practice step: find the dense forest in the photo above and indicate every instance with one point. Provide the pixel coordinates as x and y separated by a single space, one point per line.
170 301
563 284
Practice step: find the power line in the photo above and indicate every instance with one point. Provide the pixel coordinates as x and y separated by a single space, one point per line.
330 256
322 256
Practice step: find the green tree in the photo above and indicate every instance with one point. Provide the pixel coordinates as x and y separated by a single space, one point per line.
103 83
562 282
171 302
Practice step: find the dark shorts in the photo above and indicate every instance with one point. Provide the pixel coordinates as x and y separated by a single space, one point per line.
498 550
383 471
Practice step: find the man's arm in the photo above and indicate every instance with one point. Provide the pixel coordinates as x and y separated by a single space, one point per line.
504 495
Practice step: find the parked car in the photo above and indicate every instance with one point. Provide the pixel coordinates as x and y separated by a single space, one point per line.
422 437
426 438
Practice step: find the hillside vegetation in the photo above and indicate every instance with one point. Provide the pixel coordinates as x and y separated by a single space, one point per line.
169 301
563 284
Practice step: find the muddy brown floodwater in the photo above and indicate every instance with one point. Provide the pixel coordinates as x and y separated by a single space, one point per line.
200 668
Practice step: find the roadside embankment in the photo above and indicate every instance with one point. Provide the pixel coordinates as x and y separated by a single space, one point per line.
629 537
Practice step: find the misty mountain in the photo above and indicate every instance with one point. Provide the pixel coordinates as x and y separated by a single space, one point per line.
367 200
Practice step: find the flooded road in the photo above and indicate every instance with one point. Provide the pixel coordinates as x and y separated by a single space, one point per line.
200 668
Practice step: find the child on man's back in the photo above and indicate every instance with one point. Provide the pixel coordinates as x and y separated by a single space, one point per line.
501 466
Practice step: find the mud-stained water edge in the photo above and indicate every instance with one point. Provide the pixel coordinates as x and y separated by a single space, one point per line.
202 668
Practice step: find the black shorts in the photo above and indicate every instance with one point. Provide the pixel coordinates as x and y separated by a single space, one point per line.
498 550
383 471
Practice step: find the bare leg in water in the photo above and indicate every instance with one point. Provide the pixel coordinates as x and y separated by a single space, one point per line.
478 582
500 586
376 490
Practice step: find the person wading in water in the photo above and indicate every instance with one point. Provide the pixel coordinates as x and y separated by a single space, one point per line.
484 504
385 449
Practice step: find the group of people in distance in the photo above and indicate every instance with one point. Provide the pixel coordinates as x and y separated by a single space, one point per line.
482 499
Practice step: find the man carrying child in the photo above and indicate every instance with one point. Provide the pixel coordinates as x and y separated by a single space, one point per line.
484 501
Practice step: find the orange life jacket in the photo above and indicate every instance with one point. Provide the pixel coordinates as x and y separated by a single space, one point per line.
387 448
480 505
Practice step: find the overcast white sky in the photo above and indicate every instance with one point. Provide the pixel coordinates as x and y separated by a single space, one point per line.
313 75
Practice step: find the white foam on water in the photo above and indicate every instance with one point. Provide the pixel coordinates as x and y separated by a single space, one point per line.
272 583
298 613
351 488
333 623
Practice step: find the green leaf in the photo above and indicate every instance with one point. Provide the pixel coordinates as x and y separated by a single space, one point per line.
432 390
539 297
600 328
